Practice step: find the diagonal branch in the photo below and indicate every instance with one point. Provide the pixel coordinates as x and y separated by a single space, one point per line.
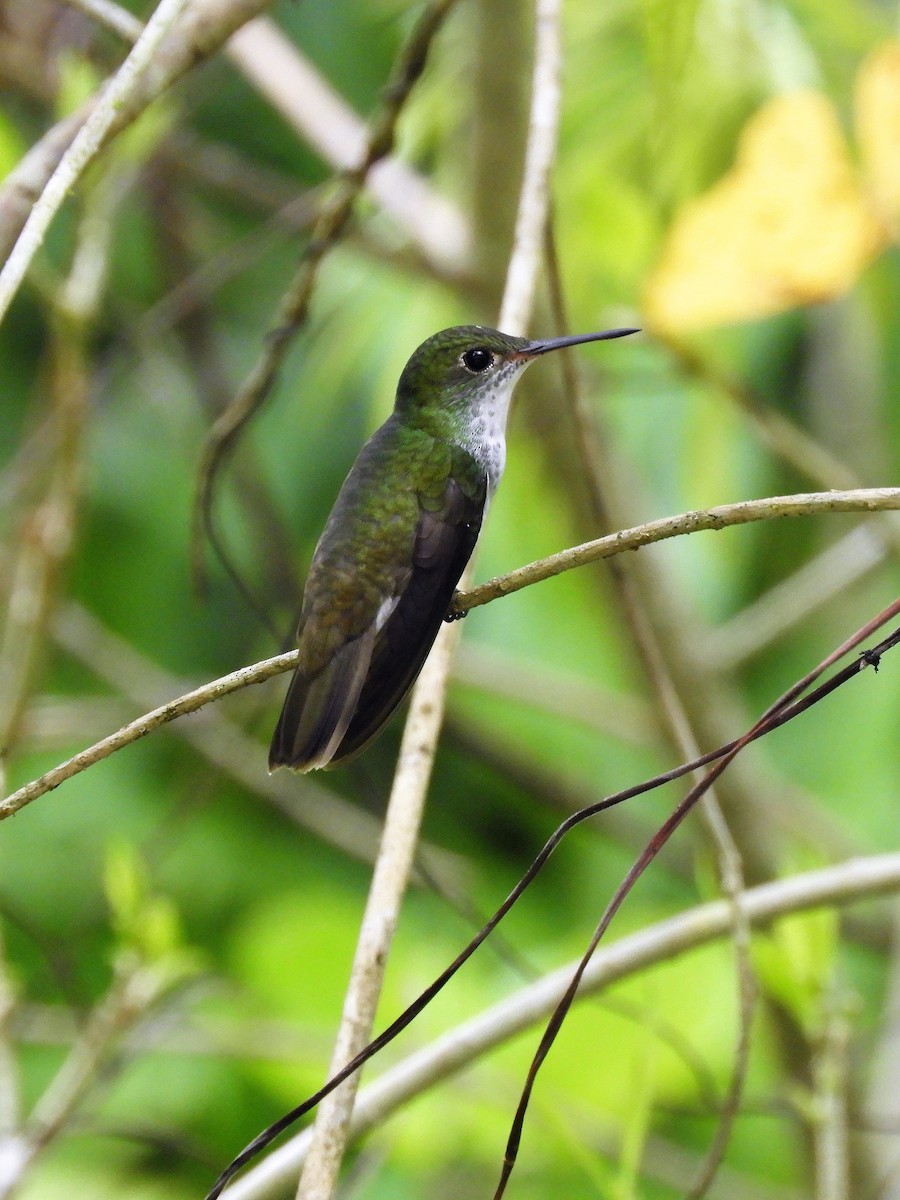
741 513
84 148
864 500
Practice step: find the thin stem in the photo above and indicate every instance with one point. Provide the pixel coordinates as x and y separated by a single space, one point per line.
84 148
741 513
863 500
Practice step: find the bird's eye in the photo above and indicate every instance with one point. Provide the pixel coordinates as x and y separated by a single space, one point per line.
477 360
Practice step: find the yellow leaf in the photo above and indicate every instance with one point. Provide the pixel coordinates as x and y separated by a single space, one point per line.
788 225
878 128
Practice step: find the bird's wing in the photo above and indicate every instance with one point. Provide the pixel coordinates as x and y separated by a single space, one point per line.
444 543
333 712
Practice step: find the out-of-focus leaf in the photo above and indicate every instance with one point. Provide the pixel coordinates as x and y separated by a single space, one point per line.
878 128
788 225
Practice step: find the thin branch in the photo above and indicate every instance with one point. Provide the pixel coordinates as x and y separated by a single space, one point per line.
145 724
864 500
204 27
720 517
847 883
830 1117
111 16
324 120
84 148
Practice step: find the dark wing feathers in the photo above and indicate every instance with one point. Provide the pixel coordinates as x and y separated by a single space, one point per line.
332 715
317 711
443 547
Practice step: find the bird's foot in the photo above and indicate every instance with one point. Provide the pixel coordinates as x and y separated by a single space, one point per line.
453 614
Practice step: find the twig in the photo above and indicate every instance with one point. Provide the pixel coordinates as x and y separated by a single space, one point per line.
143 725
281 73
864 500
84 148
848 882
534 199
829 1101
204 27
112 16
720 517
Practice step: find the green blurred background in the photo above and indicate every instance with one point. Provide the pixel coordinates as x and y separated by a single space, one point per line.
234 899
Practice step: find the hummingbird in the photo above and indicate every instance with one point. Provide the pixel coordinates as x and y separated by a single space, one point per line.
402 529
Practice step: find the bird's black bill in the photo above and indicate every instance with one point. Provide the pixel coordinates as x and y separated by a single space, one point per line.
575 339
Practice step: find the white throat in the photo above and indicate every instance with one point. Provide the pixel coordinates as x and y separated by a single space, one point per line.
486 434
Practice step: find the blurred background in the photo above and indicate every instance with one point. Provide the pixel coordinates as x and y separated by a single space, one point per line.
177 927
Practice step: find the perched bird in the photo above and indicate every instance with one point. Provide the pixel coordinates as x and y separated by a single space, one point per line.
398 538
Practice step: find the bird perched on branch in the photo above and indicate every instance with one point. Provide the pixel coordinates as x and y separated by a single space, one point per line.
402 529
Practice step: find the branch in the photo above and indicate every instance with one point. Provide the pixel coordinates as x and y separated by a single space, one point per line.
864 500
85 146
145 724
741 513
203 29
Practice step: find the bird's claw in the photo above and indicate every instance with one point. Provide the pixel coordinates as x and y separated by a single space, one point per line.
452 613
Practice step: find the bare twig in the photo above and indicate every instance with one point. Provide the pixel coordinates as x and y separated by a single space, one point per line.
829 1101
864 500
280 72
87 142
145 724
804 504
112 16
204 27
